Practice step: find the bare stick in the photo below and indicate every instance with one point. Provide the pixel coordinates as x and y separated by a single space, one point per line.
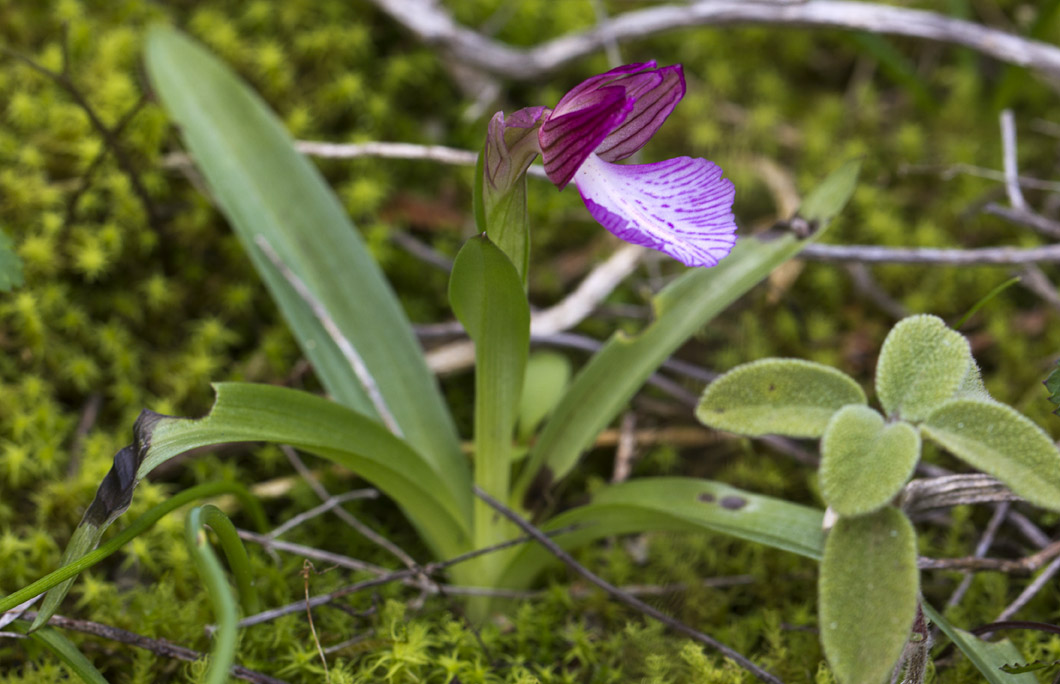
980 549
993 256
432 24
953 170
62 79
1032 589
1022 566
347 517
1035 280
1008 156
631 601
1025 217
315 554
351 355
156 646
329 503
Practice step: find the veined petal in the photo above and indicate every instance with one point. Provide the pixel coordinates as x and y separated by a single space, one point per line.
600 80
511 145
656 94
681 207
568 138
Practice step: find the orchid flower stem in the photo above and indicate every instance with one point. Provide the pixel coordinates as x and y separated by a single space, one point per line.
138 527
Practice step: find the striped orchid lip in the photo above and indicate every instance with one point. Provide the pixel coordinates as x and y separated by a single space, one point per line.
681 207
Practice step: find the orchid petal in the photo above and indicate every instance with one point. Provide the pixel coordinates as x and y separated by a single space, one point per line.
600 80
655 98
511 145
681 207
568 138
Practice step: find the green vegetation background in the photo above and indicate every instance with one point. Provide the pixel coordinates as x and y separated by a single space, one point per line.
121 312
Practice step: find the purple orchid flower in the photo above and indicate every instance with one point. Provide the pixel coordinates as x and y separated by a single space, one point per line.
681 207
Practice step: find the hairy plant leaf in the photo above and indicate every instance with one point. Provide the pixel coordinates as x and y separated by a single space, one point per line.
486 293
1052 383
999 440
547 375
922 364
604 386
864 462
867 594
987 656
266 188
10 265
777 396
675 503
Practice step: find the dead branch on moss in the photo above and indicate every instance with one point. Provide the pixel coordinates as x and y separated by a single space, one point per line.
986 256
622 596
1019 566
157 646
110 135
433 25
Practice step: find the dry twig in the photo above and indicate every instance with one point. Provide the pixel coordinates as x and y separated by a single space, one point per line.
624 597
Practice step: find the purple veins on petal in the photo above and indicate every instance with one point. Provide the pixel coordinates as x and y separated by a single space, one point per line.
681 207
655 94
567 138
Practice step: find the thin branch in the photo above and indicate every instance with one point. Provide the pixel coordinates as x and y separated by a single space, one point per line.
1031 591
329 503
344 345
1021 566
432 24
980 549
63 80
953 170
1008 156
315 554
992 256
1035 280
631 601
1025 217
156 646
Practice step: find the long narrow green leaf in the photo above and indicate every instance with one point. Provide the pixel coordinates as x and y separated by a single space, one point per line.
223 653
618 370
71 655
79 555
250 413
486 293
676 503
988 657
264 187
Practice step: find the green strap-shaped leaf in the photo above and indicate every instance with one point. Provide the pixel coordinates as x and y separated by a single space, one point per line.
246 412
987 656
10 265
999 440
867 595
922 364
604 386
777 396
864 462
71 655
264 187
487 296
547 375
675 503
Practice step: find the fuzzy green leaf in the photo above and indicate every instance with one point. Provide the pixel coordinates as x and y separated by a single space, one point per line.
777 396
999 440
867 594
1052 383
865 463
922 364
264 187
675 503
547 375
604 386
987 656
10 265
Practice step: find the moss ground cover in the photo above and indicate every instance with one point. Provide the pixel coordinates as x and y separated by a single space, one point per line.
129 305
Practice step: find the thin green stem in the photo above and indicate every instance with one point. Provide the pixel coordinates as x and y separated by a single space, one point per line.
213 575
236 554
138 527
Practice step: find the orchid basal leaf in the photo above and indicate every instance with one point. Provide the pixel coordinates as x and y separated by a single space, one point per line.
987 656
681 207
